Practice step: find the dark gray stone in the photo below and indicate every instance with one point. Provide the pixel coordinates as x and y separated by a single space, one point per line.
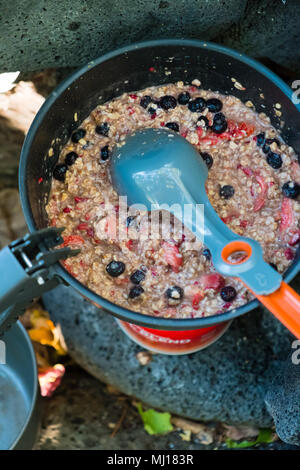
283 399
72 32
48 33
270 29
225 382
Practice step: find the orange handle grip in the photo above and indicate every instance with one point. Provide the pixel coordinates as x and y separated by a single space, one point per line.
284 303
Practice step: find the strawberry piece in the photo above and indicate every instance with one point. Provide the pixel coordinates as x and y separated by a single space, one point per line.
196 300
287 216
90 232
184 133
129 244
83 226
261 198
80 199
243 223
111 226
199 131
245 169
211 139
130 110
289 254
172 256
67 210
212 281
295 238
73 240
227 306
133 96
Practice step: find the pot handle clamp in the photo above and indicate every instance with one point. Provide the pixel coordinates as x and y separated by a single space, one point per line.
27 271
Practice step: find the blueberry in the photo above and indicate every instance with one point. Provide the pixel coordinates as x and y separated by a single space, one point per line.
219 118
145 101
77 135
208 159
168 102
219 128
197 105
204 122
273 266
59 172
274 160
137 277
226 192
207 254
184 98
291 189
228 293
174 295
151 110
129 220
260 139
214 105
136 291
115 268
173 126
71 158
219 123
102 129
105 153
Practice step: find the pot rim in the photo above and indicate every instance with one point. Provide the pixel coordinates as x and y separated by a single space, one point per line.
121 312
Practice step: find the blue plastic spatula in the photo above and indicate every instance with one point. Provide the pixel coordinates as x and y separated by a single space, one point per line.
155 167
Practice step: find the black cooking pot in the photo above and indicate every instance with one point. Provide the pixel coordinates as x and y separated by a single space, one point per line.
134 68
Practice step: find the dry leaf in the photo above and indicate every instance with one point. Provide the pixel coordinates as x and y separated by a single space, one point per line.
237 433
43 330
187 425
186 435
206 436
203 433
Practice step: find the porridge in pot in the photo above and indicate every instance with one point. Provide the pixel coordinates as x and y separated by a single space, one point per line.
253 184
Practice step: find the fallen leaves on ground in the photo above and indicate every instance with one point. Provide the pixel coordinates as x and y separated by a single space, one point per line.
155 422
265 436
236 433
203 432
48 344
43 330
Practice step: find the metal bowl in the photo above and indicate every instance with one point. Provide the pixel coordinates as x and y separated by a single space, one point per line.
19 408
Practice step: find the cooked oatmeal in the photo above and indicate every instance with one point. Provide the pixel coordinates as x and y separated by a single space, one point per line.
253 184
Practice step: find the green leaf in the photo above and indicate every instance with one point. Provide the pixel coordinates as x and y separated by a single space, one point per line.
239 445
264 436
154 421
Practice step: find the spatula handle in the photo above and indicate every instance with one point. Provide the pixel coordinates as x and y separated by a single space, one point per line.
284 303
